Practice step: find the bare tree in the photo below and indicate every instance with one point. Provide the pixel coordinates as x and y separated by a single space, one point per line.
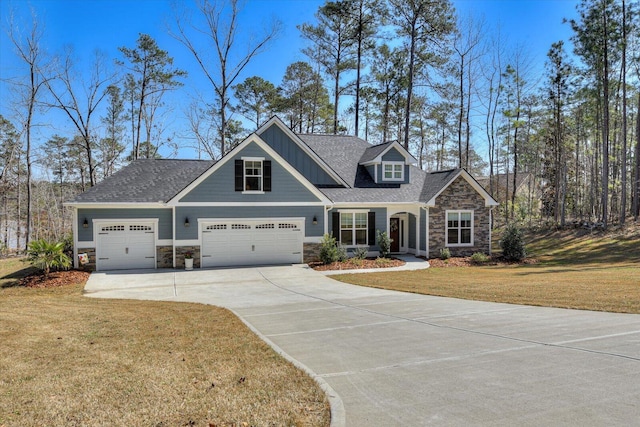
220 30
466 45
28 91
80 99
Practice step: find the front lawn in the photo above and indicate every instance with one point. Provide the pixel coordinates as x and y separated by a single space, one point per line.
574 270
70 360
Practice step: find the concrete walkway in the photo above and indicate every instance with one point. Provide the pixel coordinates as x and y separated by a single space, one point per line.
398 359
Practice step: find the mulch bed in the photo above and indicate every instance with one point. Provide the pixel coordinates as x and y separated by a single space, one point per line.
55 279
467 262
355 264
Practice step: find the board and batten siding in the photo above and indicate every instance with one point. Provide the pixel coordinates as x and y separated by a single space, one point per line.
220 185
165 230
247 212
412 231
296 157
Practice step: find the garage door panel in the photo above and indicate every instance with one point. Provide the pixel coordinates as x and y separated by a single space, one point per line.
126 246
246 242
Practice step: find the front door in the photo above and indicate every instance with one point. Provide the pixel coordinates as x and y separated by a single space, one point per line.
394 234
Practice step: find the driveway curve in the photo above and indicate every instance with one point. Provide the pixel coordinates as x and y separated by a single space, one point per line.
399 359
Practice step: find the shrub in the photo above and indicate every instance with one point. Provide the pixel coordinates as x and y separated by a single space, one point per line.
512 243
47 255
331 251
445 253
342 253
384 243
479 258
360 252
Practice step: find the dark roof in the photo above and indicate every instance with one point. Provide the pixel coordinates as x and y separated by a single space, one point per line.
152 181
374 151
145 181
435 182
340 152
345 153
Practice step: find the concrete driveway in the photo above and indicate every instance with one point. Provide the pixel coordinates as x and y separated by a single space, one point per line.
398 359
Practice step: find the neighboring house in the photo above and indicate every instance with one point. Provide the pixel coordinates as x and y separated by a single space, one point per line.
524 184
527 190
272 198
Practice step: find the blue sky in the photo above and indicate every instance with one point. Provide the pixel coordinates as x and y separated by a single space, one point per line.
88 25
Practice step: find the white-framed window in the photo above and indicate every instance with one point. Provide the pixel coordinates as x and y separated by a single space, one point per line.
253 175
459 228
393 171
353 228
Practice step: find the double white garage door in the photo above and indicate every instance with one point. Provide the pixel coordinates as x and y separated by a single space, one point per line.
251 242
231 242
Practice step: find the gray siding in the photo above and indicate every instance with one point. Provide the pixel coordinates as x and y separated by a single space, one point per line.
412 231
296 157
195 212
372 172
381 220
393 155
86 234
423 230
220 185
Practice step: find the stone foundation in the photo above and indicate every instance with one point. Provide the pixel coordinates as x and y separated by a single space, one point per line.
181 250
164 256
310 252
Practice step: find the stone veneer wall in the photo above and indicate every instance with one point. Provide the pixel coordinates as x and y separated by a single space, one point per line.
310 252
460 195
164 256
181 250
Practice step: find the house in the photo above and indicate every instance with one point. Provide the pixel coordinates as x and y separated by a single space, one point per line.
528 193
271 199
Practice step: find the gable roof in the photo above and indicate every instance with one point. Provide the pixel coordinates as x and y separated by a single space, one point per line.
374 153
145 181
253 138
276 121
440 181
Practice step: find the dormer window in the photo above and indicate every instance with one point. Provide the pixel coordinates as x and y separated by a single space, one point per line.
393 171
253 175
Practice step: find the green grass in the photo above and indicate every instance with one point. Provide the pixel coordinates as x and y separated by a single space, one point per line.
590 272
71 360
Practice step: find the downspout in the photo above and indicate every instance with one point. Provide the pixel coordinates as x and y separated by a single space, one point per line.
490 227
74 230
173 237
327 208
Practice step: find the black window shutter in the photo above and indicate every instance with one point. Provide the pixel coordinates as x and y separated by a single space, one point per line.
335 227
239 175
372 228
266 175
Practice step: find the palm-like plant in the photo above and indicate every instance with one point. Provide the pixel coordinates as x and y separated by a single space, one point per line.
47 255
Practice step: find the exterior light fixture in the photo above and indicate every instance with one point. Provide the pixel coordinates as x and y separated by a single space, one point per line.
186 222
85 224
315 220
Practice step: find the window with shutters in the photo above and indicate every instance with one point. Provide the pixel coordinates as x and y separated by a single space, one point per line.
353 228
459 228
253 175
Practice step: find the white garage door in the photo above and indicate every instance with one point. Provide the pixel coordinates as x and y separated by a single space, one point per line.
125 246
252 242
